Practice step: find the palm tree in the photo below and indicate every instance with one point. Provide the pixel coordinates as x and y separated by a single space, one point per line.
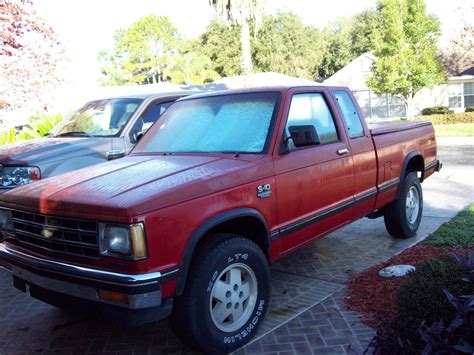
240 12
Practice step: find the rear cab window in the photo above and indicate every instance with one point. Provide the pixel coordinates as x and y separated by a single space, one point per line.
349 114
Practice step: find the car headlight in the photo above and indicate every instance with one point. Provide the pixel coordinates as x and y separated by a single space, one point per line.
11 176
124 241
6 220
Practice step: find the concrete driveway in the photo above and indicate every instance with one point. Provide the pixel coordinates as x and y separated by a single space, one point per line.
306 313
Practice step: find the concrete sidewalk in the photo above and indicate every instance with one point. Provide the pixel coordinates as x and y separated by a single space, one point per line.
306 312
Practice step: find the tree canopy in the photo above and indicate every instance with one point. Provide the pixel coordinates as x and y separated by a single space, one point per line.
282 43
405 47
241 13
285 45
222 46
141 53
30 58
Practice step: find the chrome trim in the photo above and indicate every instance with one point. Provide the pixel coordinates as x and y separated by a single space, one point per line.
388 185
83 272
135 301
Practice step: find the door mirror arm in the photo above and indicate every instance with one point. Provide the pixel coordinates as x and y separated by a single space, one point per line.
284 147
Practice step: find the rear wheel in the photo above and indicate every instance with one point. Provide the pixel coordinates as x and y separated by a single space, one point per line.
226 295
403 216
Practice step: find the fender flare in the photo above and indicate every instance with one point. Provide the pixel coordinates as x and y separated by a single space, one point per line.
205 227
406 161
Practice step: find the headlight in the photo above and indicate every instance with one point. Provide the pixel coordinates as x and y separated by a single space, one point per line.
125 241
6 220
11 176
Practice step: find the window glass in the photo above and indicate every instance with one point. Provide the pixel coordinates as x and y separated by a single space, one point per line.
469 100
219 124
468 94
149 116
311 109
455 95
468 88
349 114
101 118
152 114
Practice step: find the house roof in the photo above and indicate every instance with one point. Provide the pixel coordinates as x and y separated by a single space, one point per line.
354 74
469 71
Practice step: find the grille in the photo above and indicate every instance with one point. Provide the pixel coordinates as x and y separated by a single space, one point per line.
56 234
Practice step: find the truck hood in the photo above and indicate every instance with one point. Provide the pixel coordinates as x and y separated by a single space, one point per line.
131 186
40 151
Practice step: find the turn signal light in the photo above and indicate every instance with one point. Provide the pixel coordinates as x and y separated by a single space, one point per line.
113 296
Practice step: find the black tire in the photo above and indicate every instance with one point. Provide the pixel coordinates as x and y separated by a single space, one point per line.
192 320
396 218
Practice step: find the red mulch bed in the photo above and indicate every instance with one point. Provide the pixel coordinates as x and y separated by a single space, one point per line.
373 296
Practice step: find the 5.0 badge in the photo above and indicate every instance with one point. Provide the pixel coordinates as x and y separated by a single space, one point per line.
264 191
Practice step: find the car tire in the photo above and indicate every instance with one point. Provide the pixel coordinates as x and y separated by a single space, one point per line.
402 217
226 295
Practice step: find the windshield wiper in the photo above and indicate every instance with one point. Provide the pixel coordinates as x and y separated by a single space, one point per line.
73 134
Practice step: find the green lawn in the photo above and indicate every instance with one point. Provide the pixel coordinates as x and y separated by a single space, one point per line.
458 232
454 130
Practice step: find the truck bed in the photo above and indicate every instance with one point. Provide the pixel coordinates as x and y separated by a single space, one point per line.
395 126
394 142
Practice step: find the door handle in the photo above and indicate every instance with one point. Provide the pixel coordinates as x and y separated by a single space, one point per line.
343 151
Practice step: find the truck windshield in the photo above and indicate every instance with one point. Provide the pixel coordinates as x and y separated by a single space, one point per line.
236 123
100 118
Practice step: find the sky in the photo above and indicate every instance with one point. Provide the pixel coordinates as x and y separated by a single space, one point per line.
87 26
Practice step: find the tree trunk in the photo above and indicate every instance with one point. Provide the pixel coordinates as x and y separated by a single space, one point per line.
245 44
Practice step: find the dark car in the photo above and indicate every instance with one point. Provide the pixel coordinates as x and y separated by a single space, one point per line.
100 130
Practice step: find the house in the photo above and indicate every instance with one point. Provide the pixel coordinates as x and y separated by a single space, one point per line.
458 93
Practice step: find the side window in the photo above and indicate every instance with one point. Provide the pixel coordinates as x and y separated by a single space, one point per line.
310 121
349 114
150 115
155 111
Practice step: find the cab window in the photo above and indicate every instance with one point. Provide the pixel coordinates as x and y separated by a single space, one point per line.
349 114
310 121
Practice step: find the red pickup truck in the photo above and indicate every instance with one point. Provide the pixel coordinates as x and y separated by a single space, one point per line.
225 183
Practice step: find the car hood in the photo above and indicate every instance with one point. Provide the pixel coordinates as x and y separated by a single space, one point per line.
40 151
130 186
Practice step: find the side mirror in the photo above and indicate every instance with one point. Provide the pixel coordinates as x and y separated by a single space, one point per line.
115 154
303 136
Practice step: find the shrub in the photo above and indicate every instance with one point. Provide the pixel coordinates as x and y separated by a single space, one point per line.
441 337
436 110
8 137
422 297
469 109
462 117
40 125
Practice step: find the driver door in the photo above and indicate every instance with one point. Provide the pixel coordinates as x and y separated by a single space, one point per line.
315 181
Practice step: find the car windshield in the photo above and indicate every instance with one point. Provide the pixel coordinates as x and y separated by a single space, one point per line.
100 118
236 123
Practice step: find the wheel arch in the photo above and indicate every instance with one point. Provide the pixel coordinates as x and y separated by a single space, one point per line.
414 161
244 221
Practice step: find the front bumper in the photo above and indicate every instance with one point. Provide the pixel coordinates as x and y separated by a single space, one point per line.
143 291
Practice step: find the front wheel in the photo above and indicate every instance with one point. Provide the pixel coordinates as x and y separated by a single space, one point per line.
403 216
226 295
